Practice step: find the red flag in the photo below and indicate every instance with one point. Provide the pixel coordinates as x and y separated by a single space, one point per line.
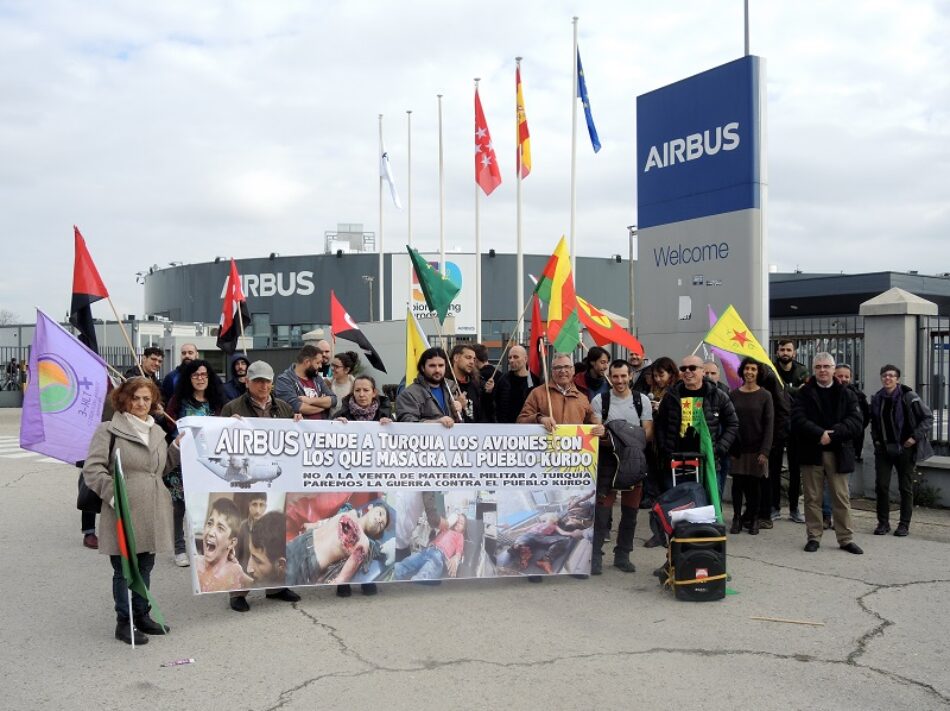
604 330
535 340
230 327
87 289
343 325
487 173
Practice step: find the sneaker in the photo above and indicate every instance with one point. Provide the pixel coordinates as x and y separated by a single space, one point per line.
776 514
902 529
181 560
369 588
852 548
766 523
653 542
883 528
91 540
796 516
811 546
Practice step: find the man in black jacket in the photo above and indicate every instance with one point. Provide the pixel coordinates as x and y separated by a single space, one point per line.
513 386
825 419
793 375
901 426
719 413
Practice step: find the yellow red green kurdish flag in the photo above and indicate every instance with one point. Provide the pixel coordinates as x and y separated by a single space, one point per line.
604 330
556 287
731 334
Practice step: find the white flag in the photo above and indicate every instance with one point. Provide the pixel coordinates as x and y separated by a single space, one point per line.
386 173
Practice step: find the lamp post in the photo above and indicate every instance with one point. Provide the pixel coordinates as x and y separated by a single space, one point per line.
632 230
369 280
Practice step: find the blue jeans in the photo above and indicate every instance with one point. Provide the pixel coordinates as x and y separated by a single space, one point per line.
120 591
427 564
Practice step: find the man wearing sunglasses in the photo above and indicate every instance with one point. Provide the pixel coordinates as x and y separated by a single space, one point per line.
676 436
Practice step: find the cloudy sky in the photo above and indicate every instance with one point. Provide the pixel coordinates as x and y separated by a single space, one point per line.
181 131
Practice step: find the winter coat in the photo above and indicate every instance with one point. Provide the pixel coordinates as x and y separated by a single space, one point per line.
416 404
245 407
918 421
794 378
570 409
234 388
384 409
781 407
510 393
288 388
717 407
149 501
807 416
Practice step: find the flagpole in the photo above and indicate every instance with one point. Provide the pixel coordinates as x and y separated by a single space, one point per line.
128 340
409 203
442 267
382 278
438 327
544 367
128 591
574 155
519 259
241 325
478 253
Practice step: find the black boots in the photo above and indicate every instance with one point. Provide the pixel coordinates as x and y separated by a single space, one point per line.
124 634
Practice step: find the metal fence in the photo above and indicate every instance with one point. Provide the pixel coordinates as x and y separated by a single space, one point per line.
842 336
933 369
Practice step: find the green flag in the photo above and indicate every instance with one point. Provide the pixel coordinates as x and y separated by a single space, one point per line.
438 289
125 535
709 457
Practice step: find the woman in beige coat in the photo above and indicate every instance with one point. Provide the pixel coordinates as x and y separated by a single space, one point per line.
145 458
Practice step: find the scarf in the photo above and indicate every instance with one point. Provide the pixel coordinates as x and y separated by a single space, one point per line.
142 428
363 413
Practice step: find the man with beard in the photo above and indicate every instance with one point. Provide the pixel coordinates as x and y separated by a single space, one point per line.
237 384
513 387
151 363
326 353
486 372
429 398
302 387
267 550
189 352
844 376
793 375
465 369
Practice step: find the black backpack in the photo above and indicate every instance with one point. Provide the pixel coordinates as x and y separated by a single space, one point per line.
629 443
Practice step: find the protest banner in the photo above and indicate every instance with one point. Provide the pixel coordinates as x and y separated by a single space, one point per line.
277 502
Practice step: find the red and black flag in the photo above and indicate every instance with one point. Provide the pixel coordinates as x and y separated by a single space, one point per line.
535 343
343 326
234 313
87 289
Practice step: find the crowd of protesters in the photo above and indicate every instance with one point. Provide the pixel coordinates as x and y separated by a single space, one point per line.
811 423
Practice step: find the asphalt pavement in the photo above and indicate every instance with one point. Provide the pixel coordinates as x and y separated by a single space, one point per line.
878 638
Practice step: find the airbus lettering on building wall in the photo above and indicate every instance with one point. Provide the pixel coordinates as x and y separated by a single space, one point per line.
275 284
701 189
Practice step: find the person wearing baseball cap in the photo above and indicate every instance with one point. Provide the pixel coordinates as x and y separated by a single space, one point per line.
258 401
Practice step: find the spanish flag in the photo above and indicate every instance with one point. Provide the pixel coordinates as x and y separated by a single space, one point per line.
731 334
523 139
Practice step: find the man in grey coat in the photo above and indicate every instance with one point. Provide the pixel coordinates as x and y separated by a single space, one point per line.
429 398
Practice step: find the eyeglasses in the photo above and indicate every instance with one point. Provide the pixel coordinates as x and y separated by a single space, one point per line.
562 367
199 376
888 375
690 368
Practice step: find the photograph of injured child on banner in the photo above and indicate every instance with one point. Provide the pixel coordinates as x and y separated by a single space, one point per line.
370 503
545 531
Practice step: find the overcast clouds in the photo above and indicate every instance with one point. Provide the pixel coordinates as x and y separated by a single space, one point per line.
178 131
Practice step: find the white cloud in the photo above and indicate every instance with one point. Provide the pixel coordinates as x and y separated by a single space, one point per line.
181 131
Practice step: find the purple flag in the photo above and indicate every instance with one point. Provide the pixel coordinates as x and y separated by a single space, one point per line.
730 361
63 402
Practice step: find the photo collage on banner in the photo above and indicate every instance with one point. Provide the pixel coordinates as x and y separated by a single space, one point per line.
264 515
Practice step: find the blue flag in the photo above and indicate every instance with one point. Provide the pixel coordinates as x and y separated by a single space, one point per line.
585 99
